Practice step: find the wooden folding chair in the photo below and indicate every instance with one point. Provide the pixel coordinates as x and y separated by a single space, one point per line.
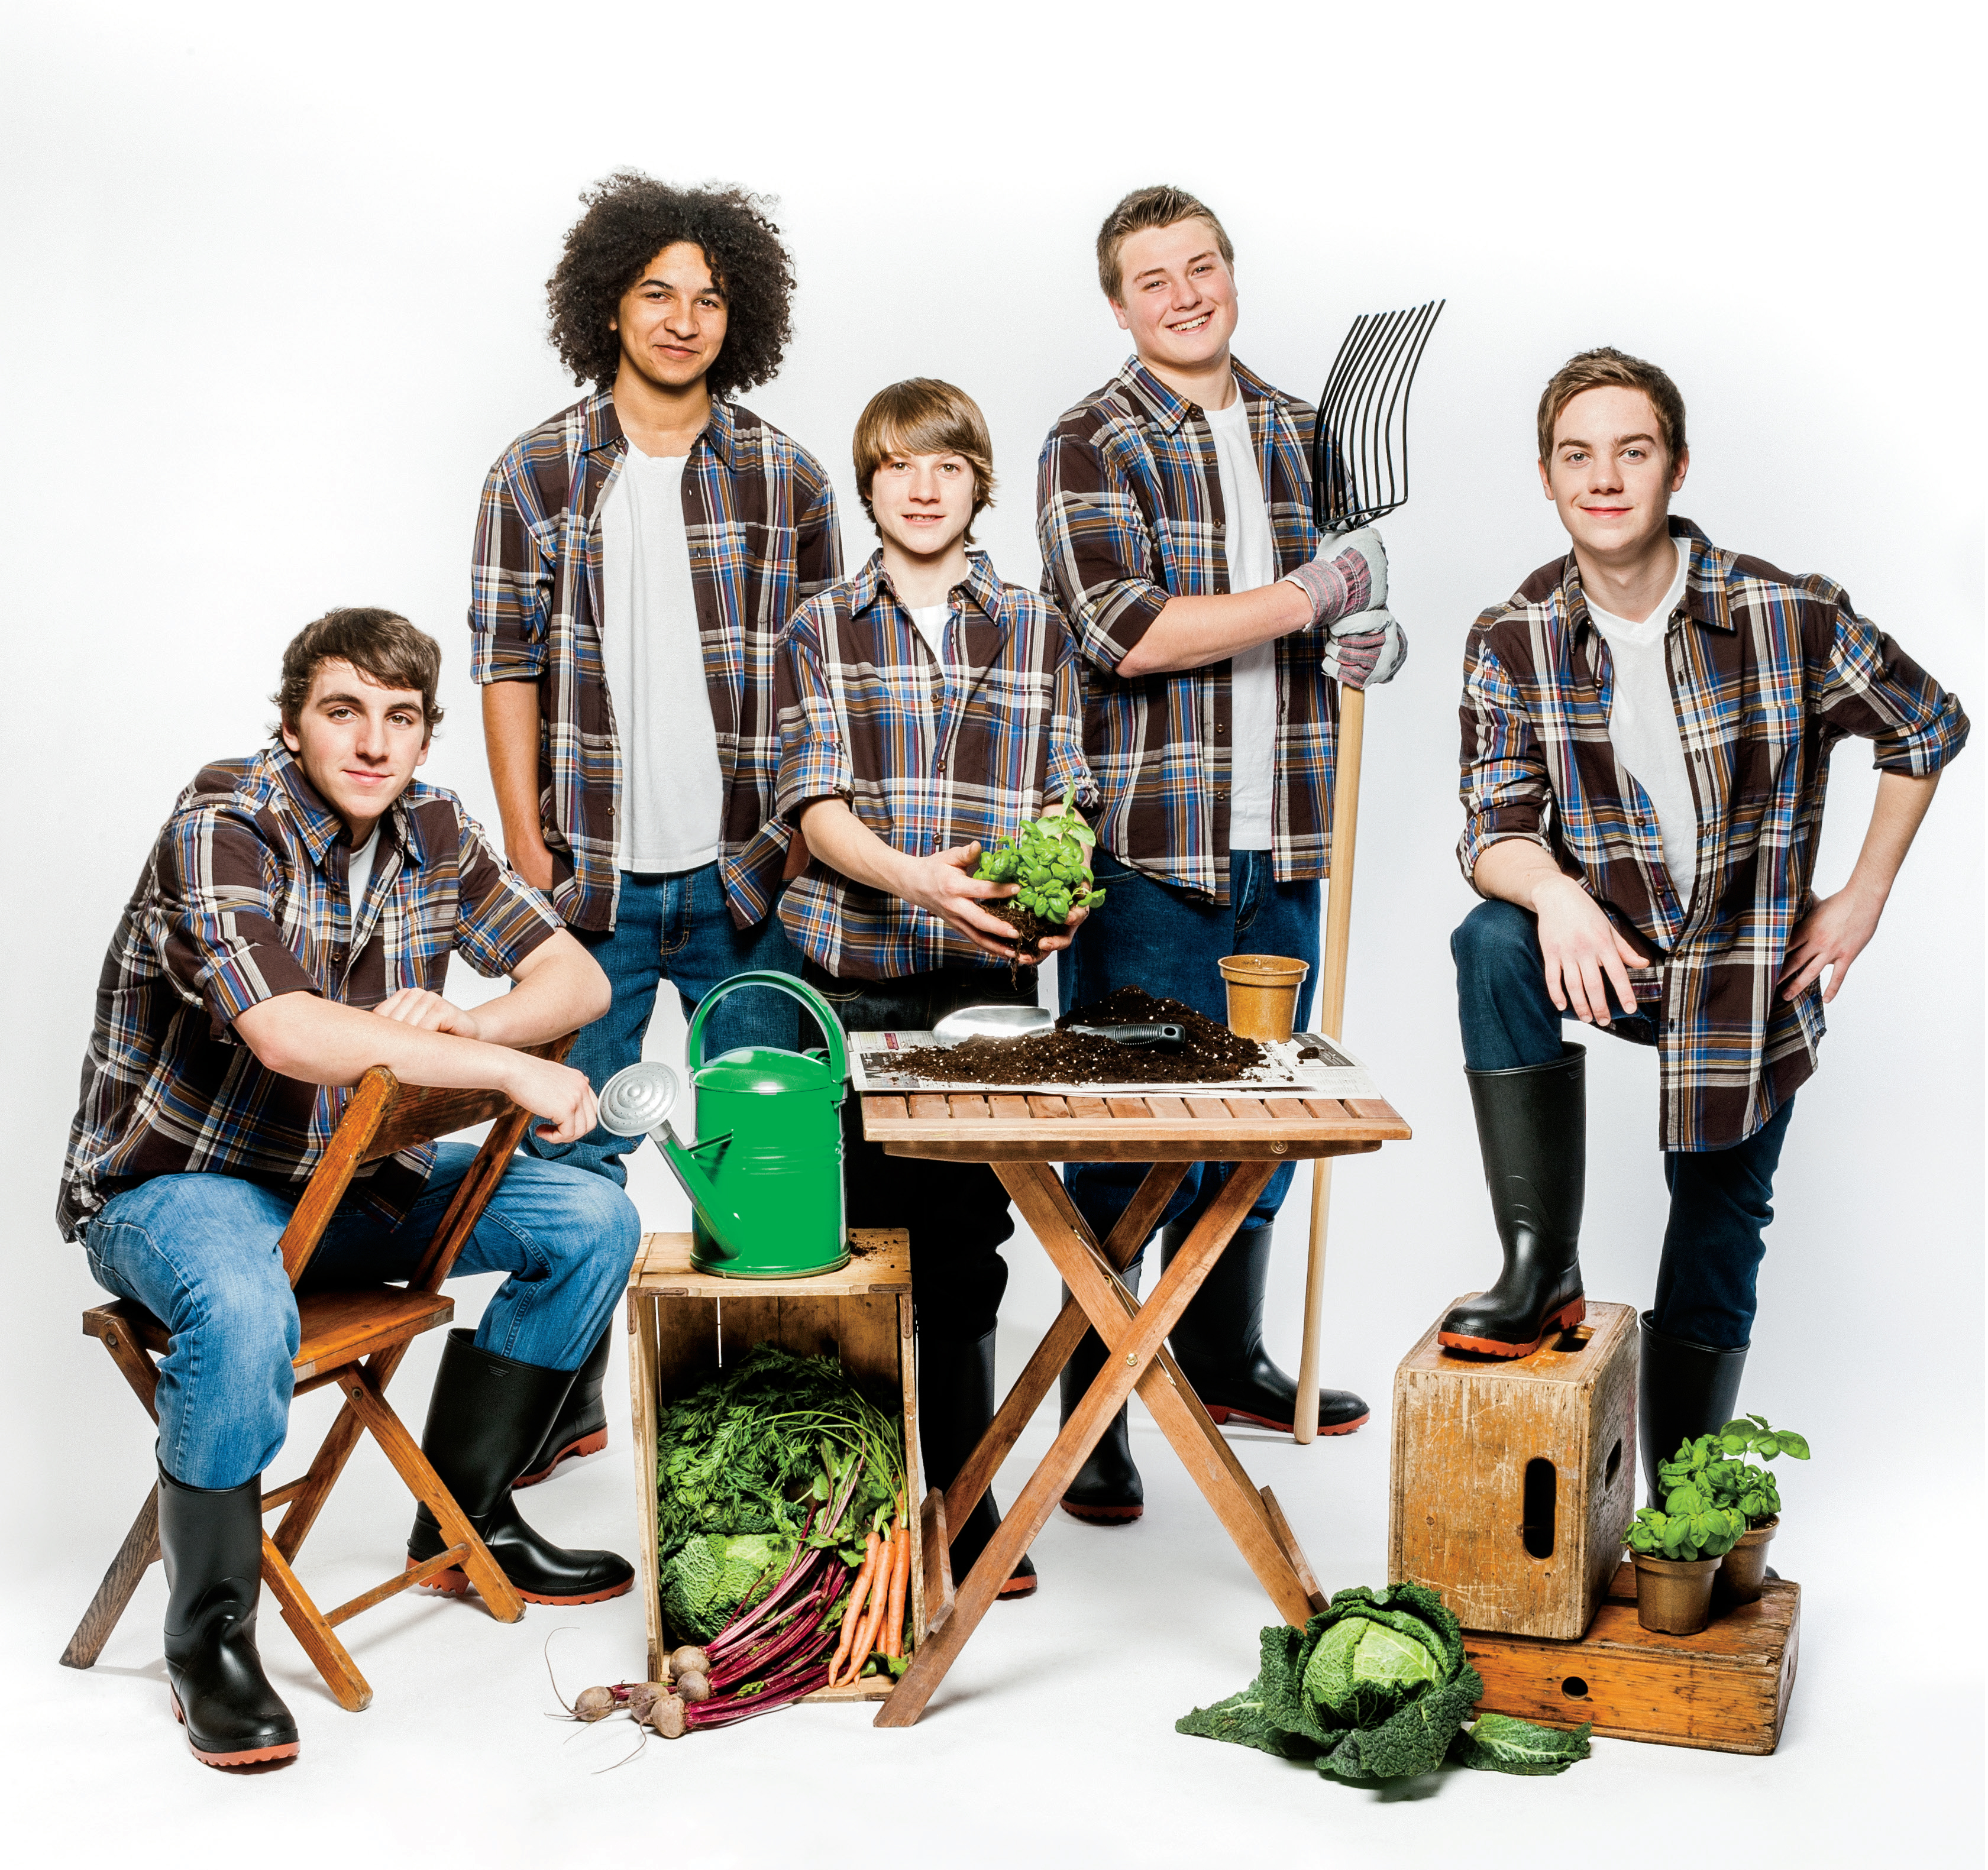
354 1337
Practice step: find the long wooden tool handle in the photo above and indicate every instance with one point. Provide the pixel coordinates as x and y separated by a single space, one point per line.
1331 1020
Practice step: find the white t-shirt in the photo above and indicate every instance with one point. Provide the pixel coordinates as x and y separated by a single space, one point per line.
672 786
1252 554
929 619
359 870
1643 725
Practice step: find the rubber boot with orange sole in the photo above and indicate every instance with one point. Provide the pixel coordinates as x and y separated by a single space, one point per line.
1532 1133
1218 1340
211 1541
486 1417
580 1427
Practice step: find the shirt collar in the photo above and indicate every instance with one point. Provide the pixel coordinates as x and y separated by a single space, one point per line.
1169 409
980 586
320 827
601 430
1704 596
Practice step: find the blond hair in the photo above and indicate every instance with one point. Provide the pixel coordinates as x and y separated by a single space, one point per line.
1159 206
923 416
1604 366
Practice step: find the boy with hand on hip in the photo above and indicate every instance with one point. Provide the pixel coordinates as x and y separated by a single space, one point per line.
1174 508
1647 728
292 930
926 707
636 557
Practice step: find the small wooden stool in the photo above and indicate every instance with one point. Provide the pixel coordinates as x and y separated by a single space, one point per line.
1513 1479
356 1338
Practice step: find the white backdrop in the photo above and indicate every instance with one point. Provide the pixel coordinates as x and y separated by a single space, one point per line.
276 302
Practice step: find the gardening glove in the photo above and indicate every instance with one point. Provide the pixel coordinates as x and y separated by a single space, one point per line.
1365 649
1349 574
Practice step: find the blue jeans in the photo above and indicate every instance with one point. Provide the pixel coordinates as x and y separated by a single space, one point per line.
677 928
1721 1199
1151 935
199 1252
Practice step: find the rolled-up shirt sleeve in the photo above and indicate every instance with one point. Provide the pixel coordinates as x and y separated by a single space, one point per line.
1098 558
499 918
511 583
1504 781
1872 689
814 763
213 919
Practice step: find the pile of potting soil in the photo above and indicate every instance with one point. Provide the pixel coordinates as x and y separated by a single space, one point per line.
1212 1055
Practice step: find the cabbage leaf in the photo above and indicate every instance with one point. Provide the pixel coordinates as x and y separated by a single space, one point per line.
1376 1686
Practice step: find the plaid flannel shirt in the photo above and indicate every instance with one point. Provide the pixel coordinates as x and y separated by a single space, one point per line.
1767 673
929 756
760 518
244 897
1129 513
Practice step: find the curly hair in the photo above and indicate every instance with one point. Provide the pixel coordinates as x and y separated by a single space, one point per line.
630 218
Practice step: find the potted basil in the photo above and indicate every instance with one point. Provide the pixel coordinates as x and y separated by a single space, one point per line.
1677 1548
1753 1493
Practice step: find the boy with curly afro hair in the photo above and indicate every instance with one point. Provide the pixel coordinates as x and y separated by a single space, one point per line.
637 557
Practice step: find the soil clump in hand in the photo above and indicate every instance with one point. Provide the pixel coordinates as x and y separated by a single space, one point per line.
1212 1055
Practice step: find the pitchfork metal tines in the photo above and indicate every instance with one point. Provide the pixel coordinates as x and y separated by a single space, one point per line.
1360 449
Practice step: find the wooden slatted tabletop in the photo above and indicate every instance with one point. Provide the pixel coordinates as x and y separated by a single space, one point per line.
1007 1127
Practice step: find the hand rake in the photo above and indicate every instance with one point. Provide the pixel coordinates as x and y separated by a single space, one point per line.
1359 472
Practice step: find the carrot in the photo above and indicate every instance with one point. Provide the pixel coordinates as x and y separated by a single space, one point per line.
866 1638
901 1578
850 1618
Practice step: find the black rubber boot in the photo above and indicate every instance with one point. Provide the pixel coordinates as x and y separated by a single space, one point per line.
580 1428
1219 1341
955 1406
1107 1490
1683 1390
1532 1133
211 1540
487 1412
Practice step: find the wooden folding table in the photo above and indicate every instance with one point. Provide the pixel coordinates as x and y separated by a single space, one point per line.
1021 1137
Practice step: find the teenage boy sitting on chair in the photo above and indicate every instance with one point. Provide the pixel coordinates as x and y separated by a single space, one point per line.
926 707
1647 728
292 929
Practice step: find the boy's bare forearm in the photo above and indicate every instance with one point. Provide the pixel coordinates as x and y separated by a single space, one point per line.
510 741
559 987
1896 814
1190 633
844 842
1513 869
323 1042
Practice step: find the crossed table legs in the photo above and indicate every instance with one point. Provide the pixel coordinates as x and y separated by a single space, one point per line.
1135 1334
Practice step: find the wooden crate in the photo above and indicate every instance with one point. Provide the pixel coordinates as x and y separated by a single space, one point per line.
1726 1688
1513 1480
683 1326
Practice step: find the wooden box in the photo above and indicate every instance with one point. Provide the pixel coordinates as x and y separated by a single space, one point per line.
683 1326
1513 1480
1726 1688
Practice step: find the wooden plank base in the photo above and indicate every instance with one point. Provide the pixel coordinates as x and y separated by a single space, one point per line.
1725 1689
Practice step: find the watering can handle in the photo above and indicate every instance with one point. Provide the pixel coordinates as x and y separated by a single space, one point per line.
838 1053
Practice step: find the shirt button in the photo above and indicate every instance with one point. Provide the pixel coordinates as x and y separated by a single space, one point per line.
940 769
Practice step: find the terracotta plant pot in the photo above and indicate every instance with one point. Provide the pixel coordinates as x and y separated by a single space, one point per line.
1744 1570
1263 994
1674 1594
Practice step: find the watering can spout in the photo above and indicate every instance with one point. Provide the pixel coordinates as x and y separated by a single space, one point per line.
637 1101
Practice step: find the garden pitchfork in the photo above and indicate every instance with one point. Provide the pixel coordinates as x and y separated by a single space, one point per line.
1359 472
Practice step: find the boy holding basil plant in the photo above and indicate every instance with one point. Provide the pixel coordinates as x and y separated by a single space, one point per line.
927 709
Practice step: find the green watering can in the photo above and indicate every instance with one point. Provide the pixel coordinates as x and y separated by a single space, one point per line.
765 1175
